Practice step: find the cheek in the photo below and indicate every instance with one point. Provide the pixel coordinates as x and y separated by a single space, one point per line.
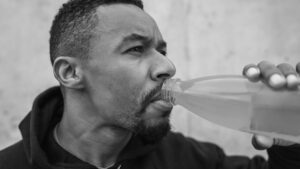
119 86
125 105
125 95
126 86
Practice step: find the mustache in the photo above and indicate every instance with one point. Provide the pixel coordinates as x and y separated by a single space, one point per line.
155 93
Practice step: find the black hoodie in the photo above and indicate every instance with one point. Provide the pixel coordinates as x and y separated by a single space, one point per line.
38 149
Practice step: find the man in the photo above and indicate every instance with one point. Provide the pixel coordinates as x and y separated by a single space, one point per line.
109 58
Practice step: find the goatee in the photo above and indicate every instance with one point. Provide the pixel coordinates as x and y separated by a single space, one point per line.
153 134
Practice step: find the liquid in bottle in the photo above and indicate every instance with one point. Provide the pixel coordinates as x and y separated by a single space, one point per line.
232 101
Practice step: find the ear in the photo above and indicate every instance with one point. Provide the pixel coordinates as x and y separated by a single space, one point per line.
68 71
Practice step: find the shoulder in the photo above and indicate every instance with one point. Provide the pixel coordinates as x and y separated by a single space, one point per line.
13 157
188 144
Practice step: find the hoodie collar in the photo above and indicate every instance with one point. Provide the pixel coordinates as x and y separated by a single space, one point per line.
36 129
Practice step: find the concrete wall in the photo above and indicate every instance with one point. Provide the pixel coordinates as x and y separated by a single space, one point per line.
204 37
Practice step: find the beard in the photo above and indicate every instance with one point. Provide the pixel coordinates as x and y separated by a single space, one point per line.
131 115
152 131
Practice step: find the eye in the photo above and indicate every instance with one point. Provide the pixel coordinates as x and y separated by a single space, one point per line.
136 50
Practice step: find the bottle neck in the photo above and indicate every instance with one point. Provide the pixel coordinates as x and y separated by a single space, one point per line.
169 88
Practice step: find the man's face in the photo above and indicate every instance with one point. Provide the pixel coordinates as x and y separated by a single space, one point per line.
126 69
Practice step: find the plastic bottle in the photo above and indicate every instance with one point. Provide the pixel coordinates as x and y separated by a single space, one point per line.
232 101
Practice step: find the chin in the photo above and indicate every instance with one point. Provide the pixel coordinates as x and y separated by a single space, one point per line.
153 130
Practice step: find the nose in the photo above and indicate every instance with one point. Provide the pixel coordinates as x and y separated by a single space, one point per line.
162 69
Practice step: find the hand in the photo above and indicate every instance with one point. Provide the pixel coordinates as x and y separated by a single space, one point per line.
282 76
277 77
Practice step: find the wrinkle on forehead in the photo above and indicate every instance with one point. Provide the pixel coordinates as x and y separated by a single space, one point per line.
119 17
117 21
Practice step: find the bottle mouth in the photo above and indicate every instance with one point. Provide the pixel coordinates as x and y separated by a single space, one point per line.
168 96
167 91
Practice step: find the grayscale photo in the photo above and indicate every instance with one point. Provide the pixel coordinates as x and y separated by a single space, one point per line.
149 84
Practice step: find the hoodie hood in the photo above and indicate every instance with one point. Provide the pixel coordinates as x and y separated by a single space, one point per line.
39 123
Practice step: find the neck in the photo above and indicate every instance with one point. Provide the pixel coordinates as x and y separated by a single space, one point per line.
98 145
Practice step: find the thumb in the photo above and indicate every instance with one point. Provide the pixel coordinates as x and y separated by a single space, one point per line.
262 142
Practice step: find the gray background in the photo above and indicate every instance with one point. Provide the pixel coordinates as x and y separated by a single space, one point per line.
204 37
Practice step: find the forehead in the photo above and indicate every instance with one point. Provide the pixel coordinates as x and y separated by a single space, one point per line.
124 19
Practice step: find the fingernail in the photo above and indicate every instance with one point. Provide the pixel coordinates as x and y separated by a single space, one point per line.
253 72
261 142
265 142
277 80
292 80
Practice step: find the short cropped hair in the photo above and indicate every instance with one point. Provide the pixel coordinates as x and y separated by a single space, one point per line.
72 28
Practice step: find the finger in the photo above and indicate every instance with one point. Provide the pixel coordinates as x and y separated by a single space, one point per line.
281 142
293 81
261 142
291 75
286 69
298 67
252 72
272 75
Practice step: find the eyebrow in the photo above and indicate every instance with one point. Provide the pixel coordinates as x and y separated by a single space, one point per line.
144 39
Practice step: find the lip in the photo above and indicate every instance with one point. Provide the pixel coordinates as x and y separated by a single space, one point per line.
162 105
163 95
158 108
156 97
